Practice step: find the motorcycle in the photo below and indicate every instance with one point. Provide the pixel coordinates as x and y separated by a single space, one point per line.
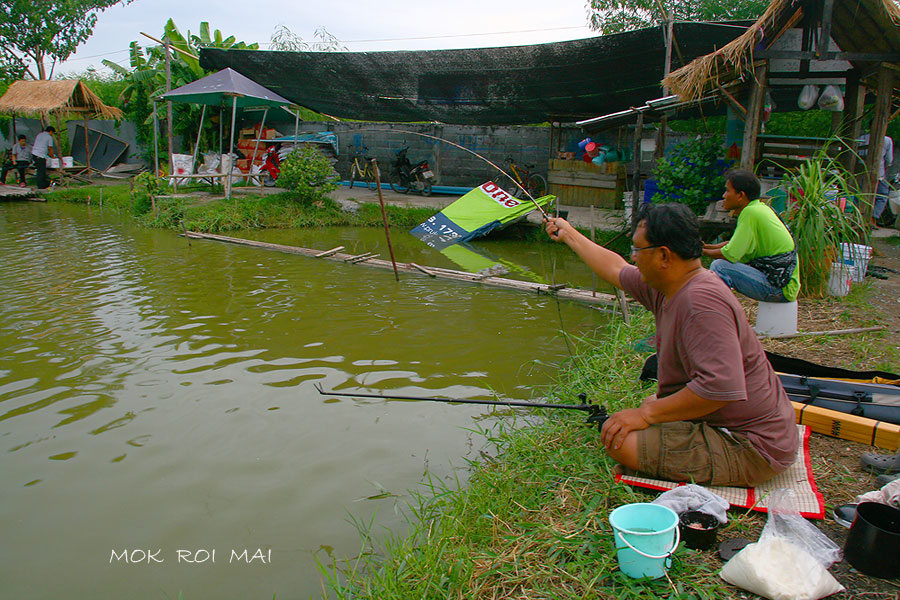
270 168
406 177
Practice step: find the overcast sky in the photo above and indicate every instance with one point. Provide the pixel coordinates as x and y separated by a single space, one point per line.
360 26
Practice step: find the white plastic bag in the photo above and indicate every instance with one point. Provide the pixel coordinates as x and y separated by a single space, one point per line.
808 96
831 99
790 560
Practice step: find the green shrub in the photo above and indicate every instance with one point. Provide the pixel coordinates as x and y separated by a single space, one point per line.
307 174
691 174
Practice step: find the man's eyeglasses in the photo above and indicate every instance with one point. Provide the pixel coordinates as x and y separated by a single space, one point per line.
635 249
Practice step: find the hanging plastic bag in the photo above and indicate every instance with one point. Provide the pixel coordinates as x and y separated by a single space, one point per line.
790 560
831 99
808 96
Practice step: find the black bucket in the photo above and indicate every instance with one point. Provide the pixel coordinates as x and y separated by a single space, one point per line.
698 529
874 539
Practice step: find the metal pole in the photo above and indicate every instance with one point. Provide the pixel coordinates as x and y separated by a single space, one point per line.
230 146
256 147
199 131
387 231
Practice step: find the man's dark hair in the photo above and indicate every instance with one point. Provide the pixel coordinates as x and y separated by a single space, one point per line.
673 226
743 180
22 136
50 129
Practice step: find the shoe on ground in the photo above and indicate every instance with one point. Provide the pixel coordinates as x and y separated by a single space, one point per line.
883 480
844 514
880 463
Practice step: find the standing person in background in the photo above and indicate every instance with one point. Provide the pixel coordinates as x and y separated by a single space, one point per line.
881 188
44 148
760 260
19 158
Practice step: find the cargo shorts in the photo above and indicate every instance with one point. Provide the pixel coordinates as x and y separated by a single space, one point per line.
698 453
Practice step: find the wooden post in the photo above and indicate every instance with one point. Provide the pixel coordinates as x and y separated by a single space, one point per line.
230 146
387 231
660 149
851 125
169 104
636 176
155 141
883 97
751 123
87 151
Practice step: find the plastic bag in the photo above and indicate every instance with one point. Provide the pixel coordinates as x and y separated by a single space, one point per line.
790 560
831 99
808 96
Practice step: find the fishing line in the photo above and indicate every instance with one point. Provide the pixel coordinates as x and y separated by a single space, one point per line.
440 139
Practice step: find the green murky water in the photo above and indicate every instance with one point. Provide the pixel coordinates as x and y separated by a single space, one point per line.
157 401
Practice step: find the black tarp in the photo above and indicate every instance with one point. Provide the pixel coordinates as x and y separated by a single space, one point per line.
105 149
565 81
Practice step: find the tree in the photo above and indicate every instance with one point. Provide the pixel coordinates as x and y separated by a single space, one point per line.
616 16
283 39
34 31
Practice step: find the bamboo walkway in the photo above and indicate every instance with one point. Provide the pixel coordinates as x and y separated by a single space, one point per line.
14 192
372 260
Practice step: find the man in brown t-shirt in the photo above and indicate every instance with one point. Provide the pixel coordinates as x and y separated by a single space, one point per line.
720 415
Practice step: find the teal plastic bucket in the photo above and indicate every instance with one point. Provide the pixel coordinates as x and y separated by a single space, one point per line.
646 536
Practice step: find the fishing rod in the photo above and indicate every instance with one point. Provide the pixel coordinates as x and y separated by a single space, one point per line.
598 414
544 214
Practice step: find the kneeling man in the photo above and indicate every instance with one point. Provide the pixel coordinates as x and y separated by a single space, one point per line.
720 415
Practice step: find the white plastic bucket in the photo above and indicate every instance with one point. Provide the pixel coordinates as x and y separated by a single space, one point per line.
646 536
840 279
857 256
68 161
776 318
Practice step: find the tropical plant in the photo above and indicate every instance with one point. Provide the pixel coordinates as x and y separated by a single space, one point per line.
616 16
307 174
692 173
145 79
822 213
39 30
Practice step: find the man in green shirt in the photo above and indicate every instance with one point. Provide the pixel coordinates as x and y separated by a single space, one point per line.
760 260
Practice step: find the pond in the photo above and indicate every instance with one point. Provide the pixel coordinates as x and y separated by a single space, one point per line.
160 433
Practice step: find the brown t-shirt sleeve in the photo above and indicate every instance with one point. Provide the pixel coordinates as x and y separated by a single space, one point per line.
630 280
712 356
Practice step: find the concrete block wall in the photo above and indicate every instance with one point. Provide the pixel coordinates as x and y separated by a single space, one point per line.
452 165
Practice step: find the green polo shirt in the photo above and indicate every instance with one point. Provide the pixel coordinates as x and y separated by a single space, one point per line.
759 233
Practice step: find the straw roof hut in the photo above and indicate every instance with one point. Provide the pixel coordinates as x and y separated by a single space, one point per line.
866 31
850 43
45 98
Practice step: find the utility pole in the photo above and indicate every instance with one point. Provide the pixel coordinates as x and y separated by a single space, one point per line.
169 103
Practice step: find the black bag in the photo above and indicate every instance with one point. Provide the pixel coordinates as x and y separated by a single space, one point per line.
777 268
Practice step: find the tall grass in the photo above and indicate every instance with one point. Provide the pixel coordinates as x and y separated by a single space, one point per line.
532 522
822 213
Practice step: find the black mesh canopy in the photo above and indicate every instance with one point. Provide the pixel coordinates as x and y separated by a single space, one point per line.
564 81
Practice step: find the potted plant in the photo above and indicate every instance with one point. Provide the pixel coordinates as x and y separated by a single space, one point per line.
692 174
821 213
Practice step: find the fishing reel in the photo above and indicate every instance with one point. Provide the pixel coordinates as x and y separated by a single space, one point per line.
598 414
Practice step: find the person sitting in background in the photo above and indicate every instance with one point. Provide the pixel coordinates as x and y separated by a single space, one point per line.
19 159
720 415
760 260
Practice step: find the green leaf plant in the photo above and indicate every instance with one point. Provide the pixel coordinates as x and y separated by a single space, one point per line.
822 212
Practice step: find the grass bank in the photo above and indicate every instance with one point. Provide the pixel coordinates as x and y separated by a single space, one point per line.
241 212
532 523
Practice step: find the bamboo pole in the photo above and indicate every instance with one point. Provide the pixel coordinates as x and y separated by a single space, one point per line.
829 332
169 106
155 141
199 131
387 230
262 126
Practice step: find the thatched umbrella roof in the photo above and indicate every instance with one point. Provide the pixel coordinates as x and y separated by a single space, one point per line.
857 26
65 96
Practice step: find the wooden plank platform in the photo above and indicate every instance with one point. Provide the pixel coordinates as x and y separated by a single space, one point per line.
578 294
14 192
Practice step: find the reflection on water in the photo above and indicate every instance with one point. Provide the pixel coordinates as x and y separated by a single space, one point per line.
158 396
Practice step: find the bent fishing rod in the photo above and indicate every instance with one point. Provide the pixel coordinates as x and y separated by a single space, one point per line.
598 414
544 214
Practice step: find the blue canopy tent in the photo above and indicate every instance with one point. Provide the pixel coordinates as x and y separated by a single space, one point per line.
215 90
